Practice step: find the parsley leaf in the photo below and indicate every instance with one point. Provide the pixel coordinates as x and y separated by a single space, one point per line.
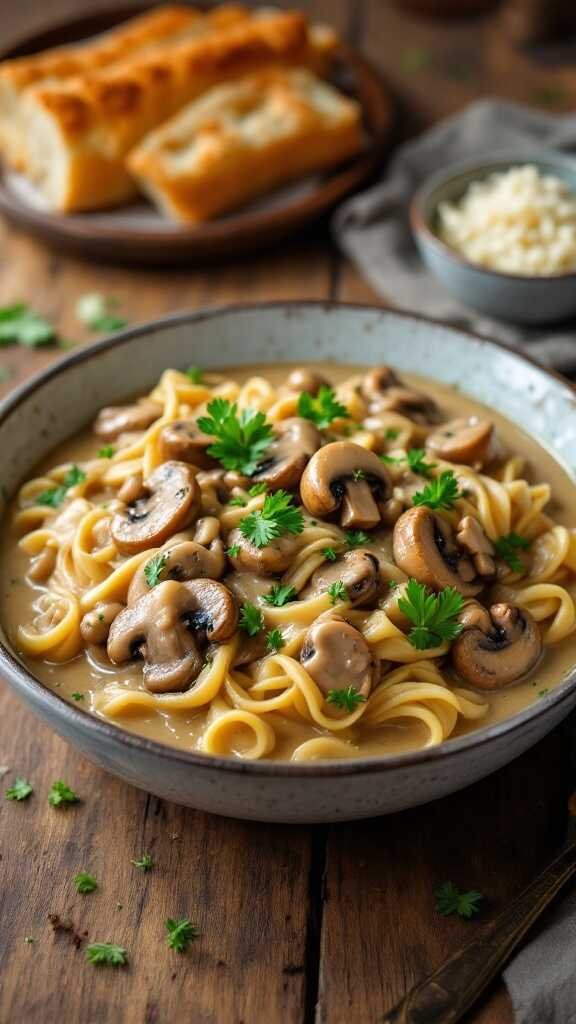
251 619
391 434
154 569
507 547
439 493
257 489
96 312
61 794
233 550
19 790
337 592
20 325
144 863
241 438
54 496
415 458
434 616
106 953
238 502
322 409
106 452
450 900
195 375
77 695
356 538
180 934
346 699
275 640
277 516
85 883
329 554
280 595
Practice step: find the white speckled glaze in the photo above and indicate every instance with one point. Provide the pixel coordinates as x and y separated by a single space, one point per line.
59 401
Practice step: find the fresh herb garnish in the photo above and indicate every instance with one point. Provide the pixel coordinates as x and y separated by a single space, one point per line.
233 550
19 790
346 699
106 452
507 548
434 617
356 538
391 434
275 640
195 375
416 459
358 475
77 695
60 794
392 584
180 934
97 312
322 409
106 953
241 438
439 493
144 863
277 516
21 326
329 554
154 569
238 502
280 595
337 592
85 883
257 489
54 496
450 900
251 619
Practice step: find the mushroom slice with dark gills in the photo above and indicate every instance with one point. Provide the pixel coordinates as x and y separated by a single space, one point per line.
120 419
358 570
385 392
344 477
184 441
336 654
186 560
497 646
286 457
425 548
468 441
169 627
170 502
302 379
270 560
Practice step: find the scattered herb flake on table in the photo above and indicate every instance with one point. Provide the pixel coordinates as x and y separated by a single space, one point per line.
97 312
19 790
21 326
106 953
450 900
85 882
180 934
60 795
144 863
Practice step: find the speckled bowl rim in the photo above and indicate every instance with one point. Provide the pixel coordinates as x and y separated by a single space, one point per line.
421 223
86 721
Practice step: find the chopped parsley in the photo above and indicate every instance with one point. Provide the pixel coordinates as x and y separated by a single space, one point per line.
358 475
337 592
22 326
60 794
251 619
329 554
275 640
85 883
277 516
356 538
322 409
434 617
154 568
440 493
508 547
54 496
106 953
77 695
144 863
106 452
19 790
280 595
238 501
180 934
241 438
416 459
233 551
97 312
450 900
346 699
257 489
391 434
195 375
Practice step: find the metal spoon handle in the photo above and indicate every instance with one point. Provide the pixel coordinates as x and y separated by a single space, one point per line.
452 989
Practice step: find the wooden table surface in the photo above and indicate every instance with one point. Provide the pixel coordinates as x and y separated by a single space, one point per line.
298 924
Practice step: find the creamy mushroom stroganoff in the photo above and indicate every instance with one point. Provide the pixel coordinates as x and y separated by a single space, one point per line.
317 563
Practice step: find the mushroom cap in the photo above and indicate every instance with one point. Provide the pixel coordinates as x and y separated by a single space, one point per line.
184 441
171 502
286 457
271 560
466 440
358 570
328 483
424 548
118 419
378 380
305 379
415 405
496 649
336 654
186 560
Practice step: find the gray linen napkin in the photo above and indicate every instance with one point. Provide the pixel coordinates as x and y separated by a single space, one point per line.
373 227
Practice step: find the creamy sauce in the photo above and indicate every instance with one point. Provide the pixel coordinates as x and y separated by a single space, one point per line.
85 675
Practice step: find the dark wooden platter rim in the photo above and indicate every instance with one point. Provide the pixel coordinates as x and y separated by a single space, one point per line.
244 232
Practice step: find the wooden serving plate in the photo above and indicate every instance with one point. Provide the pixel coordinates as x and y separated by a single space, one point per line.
139 235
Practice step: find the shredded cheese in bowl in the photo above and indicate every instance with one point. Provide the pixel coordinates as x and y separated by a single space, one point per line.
518 221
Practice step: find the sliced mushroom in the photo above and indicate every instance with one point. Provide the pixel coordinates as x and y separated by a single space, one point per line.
424 548
171 501
302 379
184 441
496 648
467 441
95 625
473 540
270 560
378 380
168 628
187 560
344 476
118 419
385 392
336 655
286 457
358 570
131 489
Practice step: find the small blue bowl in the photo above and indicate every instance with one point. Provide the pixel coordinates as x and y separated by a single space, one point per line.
520 299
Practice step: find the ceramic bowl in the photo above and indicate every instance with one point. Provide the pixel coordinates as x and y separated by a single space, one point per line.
62 399
513 297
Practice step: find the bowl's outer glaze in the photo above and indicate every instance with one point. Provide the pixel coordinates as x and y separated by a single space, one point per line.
62 399
523 300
